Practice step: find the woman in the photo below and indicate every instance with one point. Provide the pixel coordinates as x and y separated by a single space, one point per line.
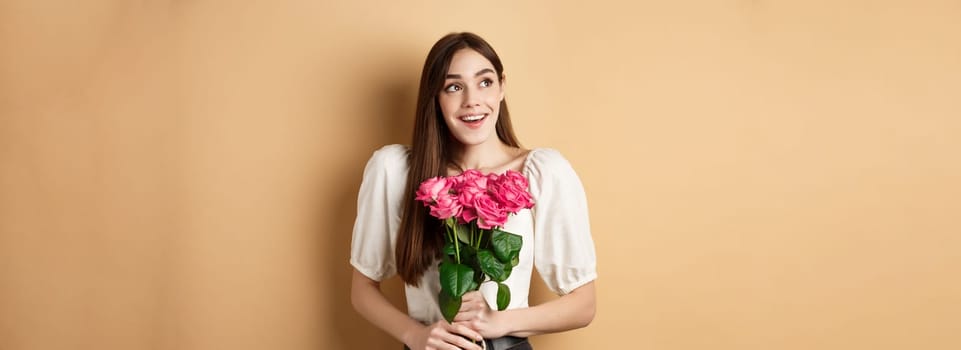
462 123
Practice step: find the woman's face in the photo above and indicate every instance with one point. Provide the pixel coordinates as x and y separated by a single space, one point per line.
471 97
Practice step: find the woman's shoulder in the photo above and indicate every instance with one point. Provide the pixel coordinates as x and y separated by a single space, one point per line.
544 159
546 166
392 151
389 157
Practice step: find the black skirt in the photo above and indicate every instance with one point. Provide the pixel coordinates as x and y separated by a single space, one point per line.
505 343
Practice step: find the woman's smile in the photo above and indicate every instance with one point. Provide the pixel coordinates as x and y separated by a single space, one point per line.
474 121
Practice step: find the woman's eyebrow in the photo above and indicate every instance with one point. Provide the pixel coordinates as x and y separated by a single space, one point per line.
482 71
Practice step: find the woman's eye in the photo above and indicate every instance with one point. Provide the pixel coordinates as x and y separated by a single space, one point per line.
487 83
452 88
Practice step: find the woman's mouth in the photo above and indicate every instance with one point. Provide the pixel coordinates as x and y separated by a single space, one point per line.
474 121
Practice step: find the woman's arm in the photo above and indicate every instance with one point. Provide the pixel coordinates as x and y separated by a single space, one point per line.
370 302
571 311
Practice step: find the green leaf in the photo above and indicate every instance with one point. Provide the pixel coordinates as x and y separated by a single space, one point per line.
449 305
506 245
449 249
466 252
455 278
491 266
503 296
507 272
463 233
479 275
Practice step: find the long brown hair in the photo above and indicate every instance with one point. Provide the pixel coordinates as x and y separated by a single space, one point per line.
420 238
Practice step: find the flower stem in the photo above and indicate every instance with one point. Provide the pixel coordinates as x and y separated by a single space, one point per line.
479 236
456 245
447 230
471 228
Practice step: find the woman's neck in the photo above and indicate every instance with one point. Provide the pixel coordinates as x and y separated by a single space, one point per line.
486 157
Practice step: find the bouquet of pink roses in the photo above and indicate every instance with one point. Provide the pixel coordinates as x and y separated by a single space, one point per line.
474 207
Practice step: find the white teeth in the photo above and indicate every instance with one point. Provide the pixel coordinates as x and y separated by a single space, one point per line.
471 118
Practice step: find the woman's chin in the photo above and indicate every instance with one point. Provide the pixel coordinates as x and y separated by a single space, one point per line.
473 140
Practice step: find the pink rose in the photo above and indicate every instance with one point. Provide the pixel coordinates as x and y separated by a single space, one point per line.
471 188
459 180
468 194
474 179
471 174
446 206
510 191
467 214
431 188
511 199
515 178
489 213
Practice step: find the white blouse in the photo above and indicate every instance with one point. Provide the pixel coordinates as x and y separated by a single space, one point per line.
556 232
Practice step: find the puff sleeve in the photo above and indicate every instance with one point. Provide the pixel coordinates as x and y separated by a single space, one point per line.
378 213
563 248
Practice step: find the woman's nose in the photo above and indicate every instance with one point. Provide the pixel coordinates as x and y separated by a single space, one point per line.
470 99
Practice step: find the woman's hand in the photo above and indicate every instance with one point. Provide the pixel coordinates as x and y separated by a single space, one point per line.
477 315
443 336
371 303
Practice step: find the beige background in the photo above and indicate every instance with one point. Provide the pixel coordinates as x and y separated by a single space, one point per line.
762 174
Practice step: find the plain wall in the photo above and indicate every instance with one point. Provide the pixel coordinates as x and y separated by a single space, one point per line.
761 174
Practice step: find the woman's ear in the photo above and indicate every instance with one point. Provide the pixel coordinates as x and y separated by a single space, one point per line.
503 83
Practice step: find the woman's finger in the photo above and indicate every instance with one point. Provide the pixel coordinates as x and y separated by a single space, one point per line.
464 343
461 336
443 337
472 296
466 331
465 315
472 301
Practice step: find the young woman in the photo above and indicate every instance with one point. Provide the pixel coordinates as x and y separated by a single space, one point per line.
462 123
